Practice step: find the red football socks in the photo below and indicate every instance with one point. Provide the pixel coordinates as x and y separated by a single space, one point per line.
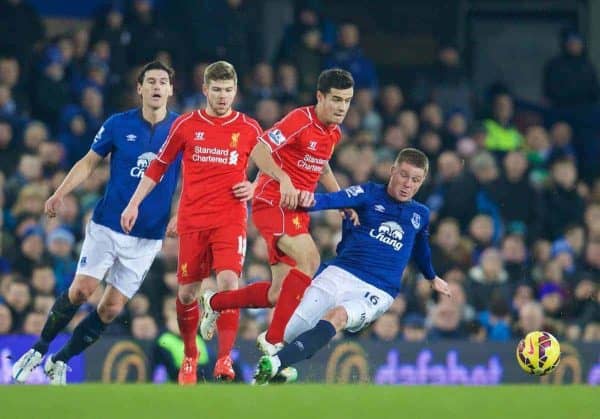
188 316
252 296
227 327
292 290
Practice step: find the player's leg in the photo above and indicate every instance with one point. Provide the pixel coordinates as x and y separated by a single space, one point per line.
269 222
319 298
61 313
303 346
303 250
134 257
228 248
87 332
188 318
357 304
97 256
227 324
193 266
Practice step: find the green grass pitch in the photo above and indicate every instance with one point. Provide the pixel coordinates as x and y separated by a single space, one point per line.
302 401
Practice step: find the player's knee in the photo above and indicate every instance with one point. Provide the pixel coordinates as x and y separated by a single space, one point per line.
186 296
338 317
108 311
79 294
228 280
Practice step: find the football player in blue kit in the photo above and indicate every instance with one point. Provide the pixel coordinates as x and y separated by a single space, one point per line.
361 282
133 139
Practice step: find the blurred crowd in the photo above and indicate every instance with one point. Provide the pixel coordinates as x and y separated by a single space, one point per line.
515 220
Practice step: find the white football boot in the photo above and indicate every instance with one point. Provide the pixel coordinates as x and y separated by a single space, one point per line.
209 316
24 365
56 371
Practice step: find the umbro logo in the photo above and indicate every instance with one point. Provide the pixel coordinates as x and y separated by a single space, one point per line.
379 208
131 137
199 135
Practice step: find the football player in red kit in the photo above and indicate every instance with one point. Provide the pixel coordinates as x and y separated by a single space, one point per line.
211 221
292 156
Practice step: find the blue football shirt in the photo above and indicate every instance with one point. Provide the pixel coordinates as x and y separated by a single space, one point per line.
133 143
390 233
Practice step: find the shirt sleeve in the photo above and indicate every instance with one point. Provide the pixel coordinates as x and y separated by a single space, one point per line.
286 130
104 139
168 152
351 197
422 252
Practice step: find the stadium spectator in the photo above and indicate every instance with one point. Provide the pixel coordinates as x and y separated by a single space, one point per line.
514 254
43 280
448 249
348 55
446 322
446 83
18 298
519 202
570 78
307 57
11 76
486 279
564 199
6 323
386 328
502 136
109 26
143 327
413 329
391 102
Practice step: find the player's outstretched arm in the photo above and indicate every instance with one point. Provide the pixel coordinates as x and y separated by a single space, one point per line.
261 155
78 173
130 213
351 197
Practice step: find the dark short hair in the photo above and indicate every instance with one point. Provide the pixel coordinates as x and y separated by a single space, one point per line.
413 156
155 65
220 70
334 78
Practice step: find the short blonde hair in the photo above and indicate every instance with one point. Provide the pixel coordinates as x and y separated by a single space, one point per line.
220 70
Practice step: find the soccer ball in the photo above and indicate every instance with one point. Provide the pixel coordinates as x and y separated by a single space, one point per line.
538 353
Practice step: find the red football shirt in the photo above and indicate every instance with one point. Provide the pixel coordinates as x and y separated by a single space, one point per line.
215 157
301 145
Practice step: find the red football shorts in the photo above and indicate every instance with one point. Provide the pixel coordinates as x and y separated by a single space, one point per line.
218 249
273 222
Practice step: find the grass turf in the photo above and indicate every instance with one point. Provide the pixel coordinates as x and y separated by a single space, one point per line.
303 401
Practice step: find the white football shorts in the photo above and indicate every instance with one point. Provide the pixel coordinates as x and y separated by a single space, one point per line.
335 287
121 260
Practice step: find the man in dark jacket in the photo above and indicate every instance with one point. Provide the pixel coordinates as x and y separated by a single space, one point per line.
570 78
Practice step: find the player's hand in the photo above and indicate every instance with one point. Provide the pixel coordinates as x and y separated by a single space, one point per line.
351 215
306 199
244 191
128 218
172 227
441 286
52 205
289 194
